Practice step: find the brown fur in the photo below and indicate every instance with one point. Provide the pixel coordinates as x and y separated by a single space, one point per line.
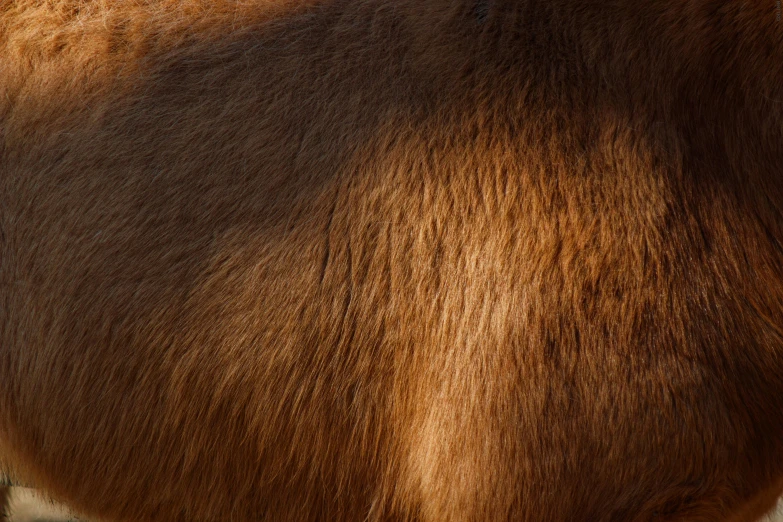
5 498
417 260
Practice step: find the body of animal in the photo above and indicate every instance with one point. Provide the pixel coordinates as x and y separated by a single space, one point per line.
393 260
5 497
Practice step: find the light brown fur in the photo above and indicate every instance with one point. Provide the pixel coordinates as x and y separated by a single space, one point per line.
412 260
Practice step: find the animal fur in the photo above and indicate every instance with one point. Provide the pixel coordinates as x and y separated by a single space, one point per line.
5 497
409 260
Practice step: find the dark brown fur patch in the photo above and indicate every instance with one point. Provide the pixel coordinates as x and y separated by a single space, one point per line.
5 497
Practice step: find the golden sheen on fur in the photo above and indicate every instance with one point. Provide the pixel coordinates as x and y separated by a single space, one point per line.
393 260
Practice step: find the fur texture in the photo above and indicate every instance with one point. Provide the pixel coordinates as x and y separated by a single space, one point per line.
411 260
5 497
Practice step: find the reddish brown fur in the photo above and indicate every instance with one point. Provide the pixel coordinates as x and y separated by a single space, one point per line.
393 260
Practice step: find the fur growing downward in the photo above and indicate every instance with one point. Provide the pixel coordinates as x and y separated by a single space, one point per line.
393 260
